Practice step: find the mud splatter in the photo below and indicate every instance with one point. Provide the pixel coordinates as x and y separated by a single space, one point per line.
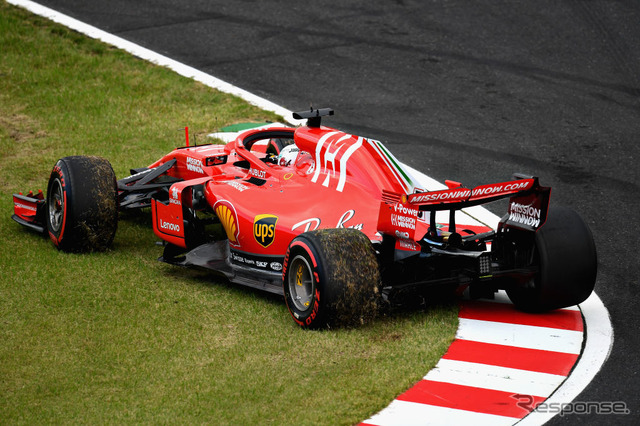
94 213
352 265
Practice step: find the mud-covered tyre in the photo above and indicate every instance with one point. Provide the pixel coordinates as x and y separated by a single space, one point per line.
82 204
567 261
331 278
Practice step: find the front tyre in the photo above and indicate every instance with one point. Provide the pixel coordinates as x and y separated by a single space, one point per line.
331 279
82 204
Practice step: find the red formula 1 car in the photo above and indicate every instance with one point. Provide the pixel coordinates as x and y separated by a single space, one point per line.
330 220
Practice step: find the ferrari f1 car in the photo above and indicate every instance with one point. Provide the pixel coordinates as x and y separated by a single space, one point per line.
331 221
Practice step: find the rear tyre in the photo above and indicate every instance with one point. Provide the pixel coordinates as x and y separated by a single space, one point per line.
566 255
331 279
82 203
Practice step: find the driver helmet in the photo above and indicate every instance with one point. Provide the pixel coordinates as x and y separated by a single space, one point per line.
288 155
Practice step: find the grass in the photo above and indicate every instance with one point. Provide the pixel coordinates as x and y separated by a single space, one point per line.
118 337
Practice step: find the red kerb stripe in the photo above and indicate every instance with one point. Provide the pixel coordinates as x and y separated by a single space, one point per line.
507 313
468 398
511 357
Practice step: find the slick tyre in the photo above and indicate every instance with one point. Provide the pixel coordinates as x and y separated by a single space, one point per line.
567 261
331 279
82 204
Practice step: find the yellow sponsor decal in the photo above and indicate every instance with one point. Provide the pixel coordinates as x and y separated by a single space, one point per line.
227 215
264 229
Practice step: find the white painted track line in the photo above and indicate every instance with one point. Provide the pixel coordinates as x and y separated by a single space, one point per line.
154 57
598 343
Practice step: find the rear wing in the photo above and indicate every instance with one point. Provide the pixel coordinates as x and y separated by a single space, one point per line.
457 197
527 210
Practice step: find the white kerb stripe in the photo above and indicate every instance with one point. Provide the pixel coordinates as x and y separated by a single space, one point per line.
403 413
522 336
494 377
595 353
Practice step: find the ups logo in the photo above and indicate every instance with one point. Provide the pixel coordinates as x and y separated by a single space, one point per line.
264 229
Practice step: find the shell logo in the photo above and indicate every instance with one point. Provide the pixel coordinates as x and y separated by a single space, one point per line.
229 220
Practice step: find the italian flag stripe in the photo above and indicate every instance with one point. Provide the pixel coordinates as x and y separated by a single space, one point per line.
394 165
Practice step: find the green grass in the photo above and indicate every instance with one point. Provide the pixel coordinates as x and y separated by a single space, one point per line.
119 337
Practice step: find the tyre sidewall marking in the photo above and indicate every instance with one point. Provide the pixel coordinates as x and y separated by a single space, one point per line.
305 319
57 170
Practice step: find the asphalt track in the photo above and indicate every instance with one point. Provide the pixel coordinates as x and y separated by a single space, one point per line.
459 90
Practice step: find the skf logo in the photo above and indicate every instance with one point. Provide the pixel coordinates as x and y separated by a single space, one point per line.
264 229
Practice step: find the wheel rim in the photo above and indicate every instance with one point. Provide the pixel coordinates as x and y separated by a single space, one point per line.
56 205
301 283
